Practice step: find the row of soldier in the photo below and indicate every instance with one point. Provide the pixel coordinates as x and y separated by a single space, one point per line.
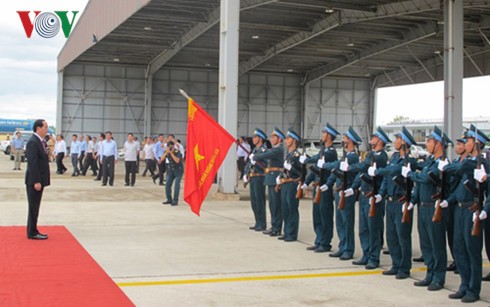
450 199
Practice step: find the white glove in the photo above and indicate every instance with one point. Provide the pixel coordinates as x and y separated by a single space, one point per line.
442 204
480 174
406 170
372 170
344 165
441 164
348 192
287 165
304 186
482 216
378 198
302 158
245 178
320 162
251 157
278 180
323 188
410 206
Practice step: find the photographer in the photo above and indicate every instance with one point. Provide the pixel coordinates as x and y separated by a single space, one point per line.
175 171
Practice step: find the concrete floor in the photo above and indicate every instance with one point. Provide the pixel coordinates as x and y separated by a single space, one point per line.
167 256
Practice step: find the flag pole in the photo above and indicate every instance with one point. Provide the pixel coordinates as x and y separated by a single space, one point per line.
183 93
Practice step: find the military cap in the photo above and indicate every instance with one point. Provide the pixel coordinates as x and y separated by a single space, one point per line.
462 139
446 140
478 135
406 136
382 135
436 134
352 134
278 132
293 134
258 132
330 130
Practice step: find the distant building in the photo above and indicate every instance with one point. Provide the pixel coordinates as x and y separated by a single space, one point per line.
420 129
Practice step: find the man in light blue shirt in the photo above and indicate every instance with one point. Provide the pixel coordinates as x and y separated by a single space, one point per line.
159 150
83 149
17 147
109 158
74 154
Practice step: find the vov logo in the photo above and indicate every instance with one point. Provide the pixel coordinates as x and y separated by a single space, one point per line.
47 24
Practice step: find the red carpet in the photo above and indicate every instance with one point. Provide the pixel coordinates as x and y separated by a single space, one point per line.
53 272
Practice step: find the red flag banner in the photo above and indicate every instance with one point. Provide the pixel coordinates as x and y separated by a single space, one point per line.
207 146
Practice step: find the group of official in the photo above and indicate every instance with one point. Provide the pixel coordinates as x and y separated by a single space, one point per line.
453 199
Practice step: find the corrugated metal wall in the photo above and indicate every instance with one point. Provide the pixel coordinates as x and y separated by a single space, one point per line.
100 98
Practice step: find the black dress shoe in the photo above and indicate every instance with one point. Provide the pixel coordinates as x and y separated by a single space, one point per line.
267 232
452 266
371 266
422 283
38 237
390 272
275 234
435 287
168 202
335 255
281 238
486 278
251 227
175 203
289 240
126 184
359 262
154 179
456 295
259 229
401 275
345 257
419 259
104 184
312 248
469 298
322 249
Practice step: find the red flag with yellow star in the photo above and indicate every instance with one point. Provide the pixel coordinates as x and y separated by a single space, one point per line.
207 146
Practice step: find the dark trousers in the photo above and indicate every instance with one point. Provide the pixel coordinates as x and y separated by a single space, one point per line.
467 252
74 163
171 178
323 219
449 219
99 163
150 166
399 237
80 160
108 170
60 167
89 162
161 170
487 237
130 172
34 201
275 209
370 230
241 165
344 223
257 200
290 212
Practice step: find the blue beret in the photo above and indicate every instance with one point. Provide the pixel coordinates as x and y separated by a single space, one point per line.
293 134
260 133
278 132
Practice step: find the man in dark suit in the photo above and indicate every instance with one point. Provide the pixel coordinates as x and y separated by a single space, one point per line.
37 176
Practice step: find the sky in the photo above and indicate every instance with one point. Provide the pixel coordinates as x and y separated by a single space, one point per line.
28 77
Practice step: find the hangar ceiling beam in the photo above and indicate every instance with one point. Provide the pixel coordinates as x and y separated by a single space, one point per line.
413 35
212 19
335 20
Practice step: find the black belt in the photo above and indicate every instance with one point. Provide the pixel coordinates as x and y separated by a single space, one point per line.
394 198
465 204
427 204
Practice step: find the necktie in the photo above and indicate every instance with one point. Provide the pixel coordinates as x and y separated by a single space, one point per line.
45 146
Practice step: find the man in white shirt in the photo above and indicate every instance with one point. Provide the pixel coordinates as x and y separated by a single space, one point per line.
242 155
89 157
60 152
149 157
109 159
131 152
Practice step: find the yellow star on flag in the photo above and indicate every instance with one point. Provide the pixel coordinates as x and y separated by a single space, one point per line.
197 156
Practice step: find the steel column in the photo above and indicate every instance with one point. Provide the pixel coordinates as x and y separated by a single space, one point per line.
228 87
148 104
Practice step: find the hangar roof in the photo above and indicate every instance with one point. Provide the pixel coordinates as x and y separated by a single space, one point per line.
315 38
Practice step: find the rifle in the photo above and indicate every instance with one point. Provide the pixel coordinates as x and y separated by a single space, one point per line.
479 196
374 190
299 193
248 154
441 192
322 179
408 190
344 182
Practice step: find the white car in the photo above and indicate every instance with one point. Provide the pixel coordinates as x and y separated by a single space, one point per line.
5 146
